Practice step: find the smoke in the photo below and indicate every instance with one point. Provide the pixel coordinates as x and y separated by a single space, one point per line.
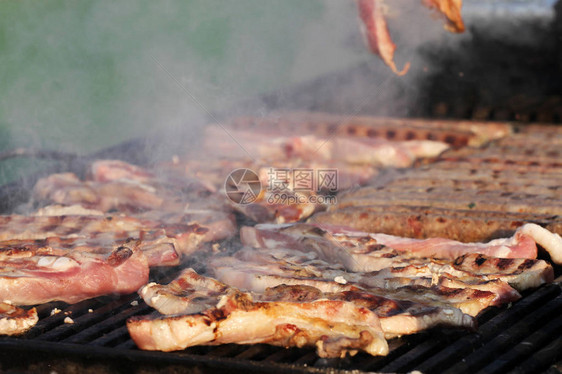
81 76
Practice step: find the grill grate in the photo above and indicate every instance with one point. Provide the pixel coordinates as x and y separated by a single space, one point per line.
523 337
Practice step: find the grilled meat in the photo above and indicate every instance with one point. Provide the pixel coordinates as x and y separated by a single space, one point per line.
455 133
70 277
342 243
255 270
520 273
163 241
280 147
375 29
115 185
429 222
362 252
335 327
15 321
188 293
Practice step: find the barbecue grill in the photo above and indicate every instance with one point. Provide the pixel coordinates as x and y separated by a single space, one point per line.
519 338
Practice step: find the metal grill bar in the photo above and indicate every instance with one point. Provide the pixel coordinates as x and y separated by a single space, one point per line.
526 348
464 346
523 337
504 340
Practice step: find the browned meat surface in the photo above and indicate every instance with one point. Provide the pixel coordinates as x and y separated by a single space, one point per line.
467 194
454 133
451 10
16 321
70 276
425 222
375 29
335 327
188 293
163 242
520 273
353 248
257 277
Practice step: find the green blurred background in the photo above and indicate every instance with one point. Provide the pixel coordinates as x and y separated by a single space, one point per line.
78 76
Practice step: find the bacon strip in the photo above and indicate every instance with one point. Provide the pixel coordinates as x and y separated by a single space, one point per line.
16 321
451 9
363 252
335 327
375 29
277 267
163 241
73 277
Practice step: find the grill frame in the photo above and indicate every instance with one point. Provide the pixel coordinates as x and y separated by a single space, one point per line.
438 350
102 336
449 96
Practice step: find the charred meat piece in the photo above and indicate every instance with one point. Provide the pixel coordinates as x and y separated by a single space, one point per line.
188 293
163 241
374 252
118 186
427 222
396 317
520 273
402 311
276 267
347 245
375 29
335 327
16 321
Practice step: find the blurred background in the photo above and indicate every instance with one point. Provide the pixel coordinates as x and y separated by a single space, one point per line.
79 76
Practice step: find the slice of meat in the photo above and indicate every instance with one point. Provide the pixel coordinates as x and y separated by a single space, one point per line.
271 147
256 277
163 240
360 252
519 246
158 248
111 170
117 185
521 274
124 194
399 316
340 242
513 258
375 30
65 189
455 133
188 293
16 321
451 9
336 328
523 244
426 222
72 277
